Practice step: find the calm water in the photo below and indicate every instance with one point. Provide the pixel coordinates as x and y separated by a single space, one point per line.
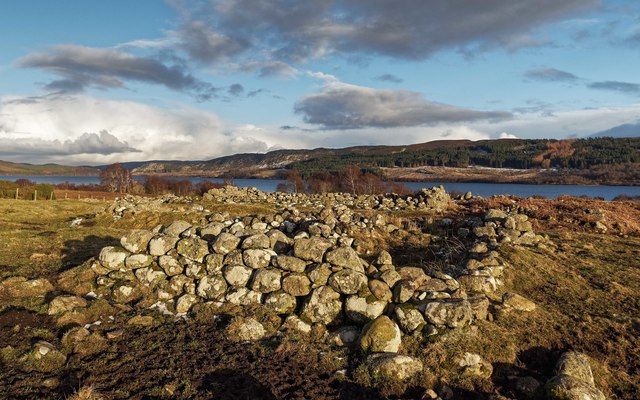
482 189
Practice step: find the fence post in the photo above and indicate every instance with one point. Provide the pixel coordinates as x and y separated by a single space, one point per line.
17 191
66 196
51 196
35 195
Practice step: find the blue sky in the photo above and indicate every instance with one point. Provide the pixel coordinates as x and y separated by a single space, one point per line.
104 81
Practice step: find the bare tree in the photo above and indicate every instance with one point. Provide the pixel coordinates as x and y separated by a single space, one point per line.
116 178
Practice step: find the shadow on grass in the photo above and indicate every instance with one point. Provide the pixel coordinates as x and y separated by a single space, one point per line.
75 252
234 384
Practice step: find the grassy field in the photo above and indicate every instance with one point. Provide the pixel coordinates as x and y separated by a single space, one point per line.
586 286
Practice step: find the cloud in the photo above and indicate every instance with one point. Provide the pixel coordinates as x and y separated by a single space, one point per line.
236 89
388 78
412 29
550 75
616 86
103 143
343 106
506 135
267 69
82 67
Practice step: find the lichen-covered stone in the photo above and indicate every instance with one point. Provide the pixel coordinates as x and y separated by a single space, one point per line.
225 242
137 240
176 228
347 281
245 329
289 263
280 302
381 335
185 302
296 284
362 309
162 244
311 249
112 257
345 257
408 318
170 265
380 290
517 302
135 261
237 275
193 248
258 241
393 367
323 306
453 313
266 280
257 258
212 287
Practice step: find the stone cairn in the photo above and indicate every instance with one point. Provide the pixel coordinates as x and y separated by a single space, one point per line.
308 273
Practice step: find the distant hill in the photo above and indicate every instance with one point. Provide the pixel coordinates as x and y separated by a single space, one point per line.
9 168
621 131
503 153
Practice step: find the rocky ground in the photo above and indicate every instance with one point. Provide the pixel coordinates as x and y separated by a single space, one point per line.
244 294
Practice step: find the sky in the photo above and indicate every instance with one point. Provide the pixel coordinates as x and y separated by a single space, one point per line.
96 82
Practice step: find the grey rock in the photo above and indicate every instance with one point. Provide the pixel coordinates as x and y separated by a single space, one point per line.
347 281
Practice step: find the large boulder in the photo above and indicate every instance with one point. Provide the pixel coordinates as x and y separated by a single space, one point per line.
451 313
323 306
517 302
381 335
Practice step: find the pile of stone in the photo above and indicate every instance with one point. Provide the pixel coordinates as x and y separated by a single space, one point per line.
435 198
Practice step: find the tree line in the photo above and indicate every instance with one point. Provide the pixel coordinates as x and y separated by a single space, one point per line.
510 153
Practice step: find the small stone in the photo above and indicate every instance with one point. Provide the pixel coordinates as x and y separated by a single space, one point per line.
361 309
311 249
323 305
384 258
193 248
212 287
344 336
518 302
453 314
245 329
185 302
473 365
62 304
176 228
393 366
380 290
408 317
257 258
170 265
345 257
141 320
280 302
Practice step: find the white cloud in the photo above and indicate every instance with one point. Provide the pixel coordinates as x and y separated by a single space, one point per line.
506 135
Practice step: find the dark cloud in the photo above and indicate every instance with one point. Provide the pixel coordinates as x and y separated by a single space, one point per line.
82 67
616 86
103 143
410 29
236 89
389 78
550 75
341 106
204 44
277 69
